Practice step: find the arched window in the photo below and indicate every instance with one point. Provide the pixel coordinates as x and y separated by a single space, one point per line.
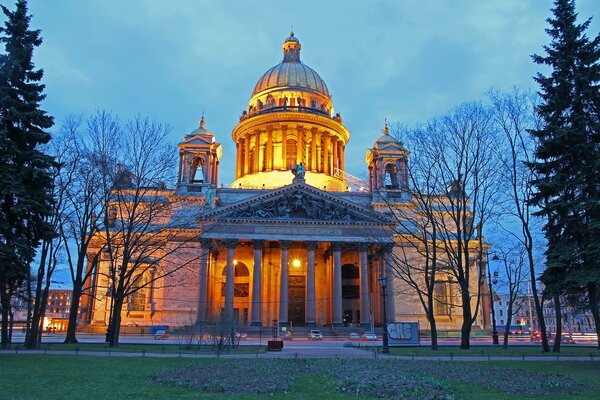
197 170
313 103
291 153
241 286
140 296
270 101
390 177
259 104
251 160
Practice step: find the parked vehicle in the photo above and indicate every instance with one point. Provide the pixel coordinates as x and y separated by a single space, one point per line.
565 337
315 334
354 336
370 336
161 334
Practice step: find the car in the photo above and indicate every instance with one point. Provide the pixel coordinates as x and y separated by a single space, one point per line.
566 338
161 334
241 335
370 336
354 336
315 334
536 336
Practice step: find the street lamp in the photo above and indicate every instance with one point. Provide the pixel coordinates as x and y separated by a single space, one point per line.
383 283
494 331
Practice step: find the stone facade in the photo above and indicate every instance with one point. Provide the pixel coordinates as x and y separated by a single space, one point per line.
306 248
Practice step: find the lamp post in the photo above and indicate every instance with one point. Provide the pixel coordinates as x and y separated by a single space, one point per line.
494 331
383 283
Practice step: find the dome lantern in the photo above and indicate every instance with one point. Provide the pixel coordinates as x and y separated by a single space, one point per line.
291 49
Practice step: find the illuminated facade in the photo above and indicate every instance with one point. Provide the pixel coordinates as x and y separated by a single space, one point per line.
304 249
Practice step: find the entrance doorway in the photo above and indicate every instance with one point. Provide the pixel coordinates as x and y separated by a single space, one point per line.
296 299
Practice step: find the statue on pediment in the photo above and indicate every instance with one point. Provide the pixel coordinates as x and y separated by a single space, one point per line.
299 171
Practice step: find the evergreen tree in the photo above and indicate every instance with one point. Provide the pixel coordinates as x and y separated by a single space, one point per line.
568 157
25 179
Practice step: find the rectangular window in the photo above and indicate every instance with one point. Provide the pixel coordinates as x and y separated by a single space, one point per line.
501 312
440 295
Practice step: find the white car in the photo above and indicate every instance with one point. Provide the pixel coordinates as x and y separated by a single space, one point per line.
354 336
315 334
370 336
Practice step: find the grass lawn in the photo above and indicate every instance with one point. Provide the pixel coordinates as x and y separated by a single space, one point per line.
148 348
86 377
512 351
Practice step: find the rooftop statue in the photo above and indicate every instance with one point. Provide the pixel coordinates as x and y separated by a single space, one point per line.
299 171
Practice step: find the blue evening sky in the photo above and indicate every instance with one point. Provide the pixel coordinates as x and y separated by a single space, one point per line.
171 60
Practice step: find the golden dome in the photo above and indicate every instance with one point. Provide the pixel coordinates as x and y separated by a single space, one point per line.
291 72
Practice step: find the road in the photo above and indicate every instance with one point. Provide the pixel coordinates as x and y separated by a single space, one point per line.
301 342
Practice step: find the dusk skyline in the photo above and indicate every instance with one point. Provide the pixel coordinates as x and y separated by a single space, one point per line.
406 62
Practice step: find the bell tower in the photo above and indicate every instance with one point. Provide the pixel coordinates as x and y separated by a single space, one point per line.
387 161
199 156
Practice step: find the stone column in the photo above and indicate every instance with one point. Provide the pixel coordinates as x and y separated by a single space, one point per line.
341 155
256 319
310 285
326 161
389 275
256 151
246 166
284 147
203 287
299 146
229 277
334 156
179 170
313 150
283 286
337 285
269 149
364 285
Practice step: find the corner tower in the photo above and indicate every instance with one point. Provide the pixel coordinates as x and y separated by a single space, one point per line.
290 120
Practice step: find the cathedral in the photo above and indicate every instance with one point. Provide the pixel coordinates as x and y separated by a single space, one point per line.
294 240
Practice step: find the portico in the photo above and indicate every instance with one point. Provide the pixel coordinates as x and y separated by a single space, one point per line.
302 268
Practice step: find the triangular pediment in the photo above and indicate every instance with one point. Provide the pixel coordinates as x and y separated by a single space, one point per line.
198 140
298 202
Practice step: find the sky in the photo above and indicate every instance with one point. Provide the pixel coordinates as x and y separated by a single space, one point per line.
406 61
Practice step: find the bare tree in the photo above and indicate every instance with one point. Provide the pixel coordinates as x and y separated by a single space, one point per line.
514 114
416 261
462 144
143 243
85 202
514 274
62 174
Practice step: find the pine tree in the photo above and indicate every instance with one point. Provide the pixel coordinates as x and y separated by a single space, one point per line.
568 157
25 179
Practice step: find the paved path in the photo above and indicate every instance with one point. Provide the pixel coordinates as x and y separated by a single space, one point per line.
301 352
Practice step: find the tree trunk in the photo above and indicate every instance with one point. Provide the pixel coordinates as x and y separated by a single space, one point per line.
509 314
557 315
593 303
116 323
465 330
432 324
73 311
539 311
31 338
5 306
29 305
